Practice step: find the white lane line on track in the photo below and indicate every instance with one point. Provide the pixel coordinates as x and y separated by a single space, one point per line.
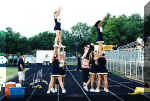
127 87
114 86
79 85
119 98
131 80
125 82
29 98
30 76
121 84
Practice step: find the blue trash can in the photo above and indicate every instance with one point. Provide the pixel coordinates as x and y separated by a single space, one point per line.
18 92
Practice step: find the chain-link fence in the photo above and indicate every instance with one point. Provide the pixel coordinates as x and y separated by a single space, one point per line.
128 62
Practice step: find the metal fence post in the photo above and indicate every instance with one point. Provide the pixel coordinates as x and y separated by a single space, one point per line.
130 70
143 72
125 68
136 71
110 65
113 65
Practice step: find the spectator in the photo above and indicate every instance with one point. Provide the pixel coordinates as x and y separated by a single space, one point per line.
139 43
21 74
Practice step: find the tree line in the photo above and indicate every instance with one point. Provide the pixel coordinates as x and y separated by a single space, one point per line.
117 31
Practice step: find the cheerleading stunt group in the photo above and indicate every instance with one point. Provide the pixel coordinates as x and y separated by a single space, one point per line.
93 62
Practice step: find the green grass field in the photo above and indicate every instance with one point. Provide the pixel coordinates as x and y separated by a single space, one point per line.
12 72
117 73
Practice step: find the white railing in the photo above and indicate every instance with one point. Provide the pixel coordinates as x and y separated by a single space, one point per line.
127 60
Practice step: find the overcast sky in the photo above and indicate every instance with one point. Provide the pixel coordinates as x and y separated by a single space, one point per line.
29 17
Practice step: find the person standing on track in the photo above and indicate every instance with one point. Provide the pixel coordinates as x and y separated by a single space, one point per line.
56 72
62 69
85 86
102 73
98 69
93 71
57 28
85 66
21 72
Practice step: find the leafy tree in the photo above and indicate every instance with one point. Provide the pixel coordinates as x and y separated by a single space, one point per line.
117 30
44 40
122 30
2 41
81 33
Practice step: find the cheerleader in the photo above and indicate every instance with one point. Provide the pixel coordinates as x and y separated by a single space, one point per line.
98 69
93 71
103 72
57 28
100 36
62 69
56 72
85 66
86 63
